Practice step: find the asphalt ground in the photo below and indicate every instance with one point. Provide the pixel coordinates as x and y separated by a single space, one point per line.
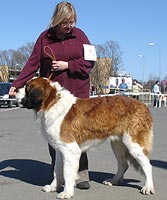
25 162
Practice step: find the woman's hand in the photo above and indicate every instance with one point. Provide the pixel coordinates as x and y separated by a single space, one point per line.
59 65
12 91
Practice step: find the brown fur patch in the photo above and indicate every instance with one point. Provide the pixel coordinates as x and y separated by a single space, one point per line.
98 118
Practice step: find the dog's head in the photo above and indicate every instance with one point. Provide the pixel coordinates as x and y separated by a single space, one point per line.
38 93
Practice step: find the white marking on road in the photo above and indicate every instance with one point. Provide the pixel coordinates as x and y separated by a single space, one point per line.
8 109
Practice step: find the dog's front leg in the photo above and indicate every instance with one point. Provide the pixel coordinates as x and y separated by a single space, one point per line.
71 154
58 174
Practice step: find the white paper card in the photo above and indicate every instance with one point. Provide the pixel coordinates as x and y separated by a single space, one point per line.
89 52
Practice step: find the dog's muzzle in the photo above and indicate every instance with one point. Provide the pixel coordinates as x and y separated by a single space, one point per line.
20 94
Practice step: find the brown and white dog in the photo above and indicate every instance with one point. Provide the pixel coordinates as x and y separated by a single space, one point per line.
73 125
162 100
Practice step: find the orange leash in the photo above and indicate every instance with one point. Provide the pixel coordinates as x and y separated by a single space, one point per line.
48 51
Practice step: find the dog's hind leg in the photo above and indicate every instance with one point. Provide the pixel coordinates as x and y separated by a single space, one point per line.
58 174
120 152
71 154
136 151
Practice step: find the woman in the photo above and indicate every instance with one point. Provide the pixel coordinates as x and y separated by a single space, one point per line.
156 91
59 53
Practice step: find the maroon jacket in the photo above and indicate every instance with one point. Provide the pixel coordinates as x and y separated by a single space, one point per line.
76 77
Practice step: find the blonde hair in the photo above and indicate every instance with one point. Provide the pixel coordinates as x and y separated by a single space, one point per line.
63 11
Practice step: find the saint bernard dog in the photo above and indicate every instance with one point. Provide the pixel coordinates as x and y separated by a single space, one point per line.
73 125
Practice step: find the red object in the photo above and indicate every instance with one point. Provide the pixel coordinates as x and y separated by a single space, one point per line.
76 78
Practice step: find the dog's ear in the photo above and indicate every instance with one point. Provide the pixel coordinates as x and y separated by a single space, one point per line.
51 98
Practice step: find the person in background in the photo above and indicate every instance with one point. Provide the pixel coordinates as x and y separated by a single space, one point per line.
123 86
136 88
156 91
62 51
93 90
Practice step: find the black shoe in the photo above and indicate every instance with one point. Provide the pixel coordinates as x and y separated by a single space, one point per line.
83 185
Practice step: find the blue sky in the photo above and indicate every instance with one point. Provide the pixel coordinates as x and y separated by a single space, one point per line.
131 23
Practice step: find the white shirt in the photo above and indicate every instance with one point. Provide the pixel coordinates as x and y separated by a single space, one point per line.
156 89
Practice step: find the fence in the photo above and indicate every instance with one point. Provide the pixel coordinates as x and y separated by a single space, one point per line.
145 96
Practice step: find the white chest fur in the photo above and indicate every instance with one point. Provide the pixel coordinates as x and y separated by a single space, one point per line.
51 120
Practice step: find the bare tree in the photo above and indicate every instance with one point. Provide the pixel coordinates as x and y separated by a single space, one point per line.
6 57
113 51
108 63
26 51
16 58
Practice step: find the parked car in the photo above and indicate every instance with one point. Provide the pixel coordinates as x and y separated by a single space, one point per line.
5 99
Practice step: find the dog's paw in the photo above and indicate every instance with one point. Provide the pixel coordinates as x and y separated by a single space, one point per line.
49 188
147 190
111 182
108 182
65 195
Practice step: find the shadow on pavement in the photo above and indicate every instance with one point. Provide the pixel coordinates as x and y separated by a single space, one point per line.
159 163
102 176
30 171
39 173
